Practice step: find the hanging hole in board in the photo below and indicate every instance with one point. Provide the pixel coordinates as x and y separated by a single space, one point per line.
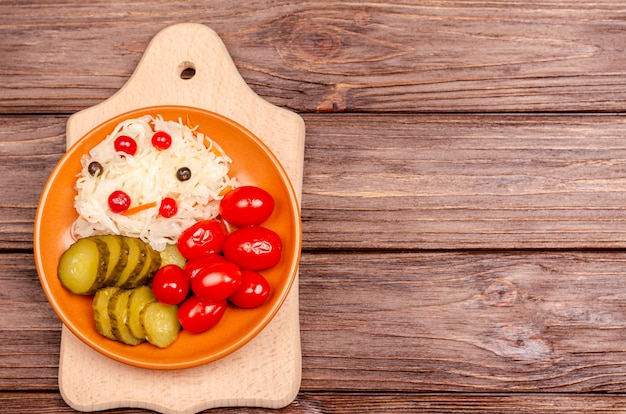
187 70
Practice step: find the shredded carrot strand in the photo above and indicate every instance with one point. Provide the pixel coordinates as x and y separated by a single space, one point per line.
225 190
137 209
216 151
189 125
214 148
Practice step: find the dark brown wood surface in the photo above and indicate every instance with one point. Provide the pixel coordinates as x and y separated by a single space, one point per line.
464 218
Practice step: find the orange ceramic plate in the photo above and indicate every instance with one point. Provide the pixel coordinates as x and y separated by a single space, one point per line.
253 164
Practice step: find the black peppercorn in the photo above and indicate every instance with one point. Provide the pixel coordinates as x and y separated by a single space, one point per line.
183 174
95 168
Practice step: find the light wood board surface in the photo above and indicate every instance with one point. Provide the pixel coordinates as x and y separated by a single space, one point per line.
266 372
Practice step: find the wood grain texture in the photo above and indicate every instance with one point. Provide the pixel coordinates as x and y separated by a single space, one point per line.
452 263
488 322
409 181
433 322
61 56
29 149
348 403
446 182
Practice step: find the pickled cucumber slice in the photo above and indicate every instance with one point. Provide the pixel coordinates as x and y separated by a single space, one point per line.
152 263
160 322
139 298
171 255
136 260
100 311
118 257
118 313
83 266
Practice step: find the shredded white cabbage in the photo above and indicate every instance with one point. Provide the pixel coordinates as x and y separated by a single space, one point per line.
148 177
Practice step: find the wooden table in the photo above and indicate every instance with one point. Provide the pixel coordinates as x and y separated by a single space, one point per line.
463 196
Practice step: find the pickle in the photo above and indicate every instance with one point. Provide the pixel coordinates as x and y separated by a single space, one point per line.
136 260
171 255
118 313
107 260
151 263
118 257
132 316
139 298
100 311
160 322
83 266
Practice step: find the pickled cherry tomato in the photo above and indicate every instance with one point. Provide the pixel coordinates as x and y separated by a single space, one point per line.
202 238
161 140
168 207
170 285
119 201
197 315
253 247
253 291
193 266
217 281
247 205
125 144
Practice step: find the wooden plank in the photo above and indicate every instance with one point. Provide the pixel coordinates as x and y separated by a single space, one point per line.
446 182
359 403
464 322
333 56
409 181
29 149
408 322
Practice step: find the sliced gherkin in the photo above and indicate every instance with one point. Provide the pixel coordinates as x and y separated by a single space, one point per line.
83 266
118 313
160 322
140 297
136 260
151 263
118 257
100 311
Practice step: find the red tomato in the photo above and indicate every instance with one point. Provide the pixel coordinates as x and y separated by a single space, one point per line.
119 201
204 237
253 247
217 281
170 285
193 266
197 315
246 206
253 291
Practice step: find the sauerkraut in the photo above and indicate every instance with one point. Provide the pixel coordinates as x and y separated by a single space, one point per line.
149 176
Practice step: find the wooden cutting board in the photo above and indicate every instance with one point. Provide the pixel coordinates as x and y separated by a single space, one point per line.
266 372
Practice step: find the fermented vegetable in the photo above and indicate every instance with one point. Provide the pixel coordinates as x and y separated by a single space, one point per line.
182 164
97 261
133 316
